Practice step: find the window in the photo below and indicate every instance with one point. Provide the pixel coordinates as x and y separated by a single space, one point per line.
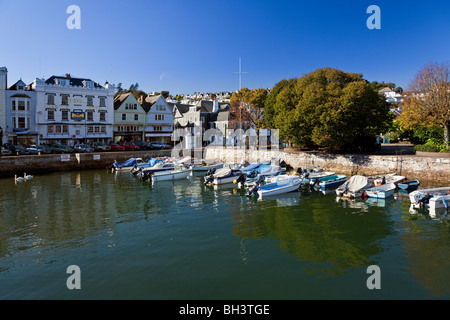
136 117
157 128
65 128
14 105
203 119
50 129
28 105
50 99
21 106
62 82
102 102
88 84
65 115
90 101
57 129
19 87
103 129
50 114
90 129
97 129
102 116
65 99
124 116
90 115
14 122
159 117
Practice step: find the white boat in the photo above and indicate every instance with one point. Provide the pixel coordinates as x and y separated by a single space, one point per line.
309 177
222 176
333 181
387 178
432 198
127 165
384 191
177 174
281 184
354 187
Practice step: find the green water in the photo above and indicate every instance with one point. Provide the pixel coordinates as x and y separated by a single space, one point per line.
182 240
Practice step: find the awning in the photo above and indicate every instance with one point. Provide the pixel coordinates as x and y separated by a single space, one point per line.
158 134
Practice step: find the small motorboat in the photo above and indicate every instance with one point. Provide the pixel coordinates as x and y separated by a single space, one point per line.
280 184
206 165
127 165
387 178
333 181
156 165
180 172
222 176
354 187
432 198
384 191
409 185
308 177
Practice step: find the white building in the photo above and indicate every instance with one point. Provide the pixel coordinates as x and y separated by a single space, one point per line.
391 95
70 110
160 120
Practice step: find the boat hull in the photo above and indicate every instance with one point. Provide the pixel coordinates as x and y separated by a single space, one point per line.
206 168
171 175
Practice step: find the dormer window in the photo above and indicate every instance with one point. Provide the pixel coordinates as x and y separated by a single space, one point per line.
88 84
192 109
20 87
62 82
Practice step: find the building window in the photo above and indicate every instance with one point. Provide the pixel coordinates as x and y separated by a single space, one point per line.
97 129
102 102
103 129
50 114
65 128
136 117
124 116
21 106
102 116
157 128
65 99
88 84
57 129
50 129
28 105
90 101
65 115
90 115
50 99
14 122
13 105
90 129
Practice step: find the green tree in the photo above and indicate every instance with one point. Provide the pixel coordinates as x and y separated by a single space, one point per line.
247 107
327 108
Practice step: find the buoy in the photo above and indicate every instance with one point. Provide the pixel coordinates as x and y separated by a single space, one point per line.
234 181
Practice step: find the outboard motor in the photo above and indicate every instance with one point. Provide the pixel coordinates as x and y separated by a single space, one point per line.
210 172
315 184
241 179
209 179
254 189
146 175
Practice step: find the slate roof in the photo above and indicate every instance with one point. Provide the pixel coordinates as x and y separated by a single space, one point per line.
73 81
14 86
119 99
148 102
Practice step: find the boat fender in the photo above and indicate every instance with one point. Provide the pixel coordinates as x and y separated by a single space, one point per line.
445 204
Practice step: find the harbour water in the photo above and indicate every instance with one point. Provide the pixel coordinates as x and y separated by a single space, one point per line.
184 240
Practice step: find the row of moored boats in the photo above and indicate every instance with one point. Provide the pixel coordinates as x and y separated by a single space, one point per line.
269 178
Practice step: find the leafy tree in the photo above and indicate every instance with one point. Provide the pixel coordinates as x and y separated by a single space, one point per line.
247 107
327 108
427 102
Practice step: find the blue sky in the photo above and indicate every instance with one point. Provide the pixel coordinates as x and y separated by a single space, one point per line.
187 46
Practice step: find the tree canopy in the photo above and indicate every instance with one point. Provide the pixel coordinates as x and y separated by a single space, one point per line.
247 107
327 108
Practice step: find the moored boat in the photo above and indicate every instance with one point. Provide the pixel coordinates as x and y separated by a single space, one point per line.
127 165
177 174
333 181
434 198
281 184
354 187
222 176
384 191
409 185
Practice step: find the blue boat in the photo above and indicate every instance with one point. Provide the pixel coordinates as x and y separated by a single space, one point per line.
382 192
127 165
333 181
409 185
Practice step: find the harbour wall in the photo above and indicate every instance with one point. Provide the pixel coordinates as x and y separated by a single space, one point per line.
433 169
46 163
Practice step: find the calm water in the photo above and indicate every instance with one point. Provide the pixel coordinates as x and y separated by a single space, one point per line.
182 240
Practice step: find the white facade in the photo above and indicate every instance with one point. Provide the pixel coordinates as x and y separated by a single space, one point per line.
3 84
391 95
160 121
70 110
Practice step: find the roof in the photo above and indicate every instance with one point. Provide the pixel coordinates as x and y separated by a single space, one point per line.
182 108
15 85
223 115
73 81
385 89
119 99
148 102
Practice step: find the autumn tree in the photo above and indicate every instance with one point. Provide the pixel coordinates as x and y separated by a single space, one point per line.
427 101
246 108
327 108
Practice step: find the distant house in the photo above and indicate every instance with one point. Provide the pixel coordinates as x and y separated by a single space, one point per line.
391 95
129 118
159 119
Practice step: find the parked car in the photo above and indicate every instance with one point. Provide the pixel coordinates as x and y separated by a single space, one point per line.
59 148
45 149
160 145
99 146
116 147
143 145
128 146
81 147
33 149
5 152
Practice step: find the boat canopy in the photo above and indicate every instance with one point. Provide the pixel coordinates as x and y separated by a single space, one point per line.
153 161
356 183
251 166
222 172
129 163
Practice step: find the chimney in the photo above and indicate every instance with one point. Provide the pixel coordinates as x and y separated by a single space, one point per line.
67 75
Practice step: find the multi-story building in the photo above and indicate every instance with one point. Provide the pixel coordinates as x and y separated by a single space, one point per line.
17 112
129 118
159 121
71 110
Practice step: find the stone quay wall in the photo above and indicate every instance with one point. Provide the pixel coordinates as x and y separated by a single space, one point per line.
46 163
433 169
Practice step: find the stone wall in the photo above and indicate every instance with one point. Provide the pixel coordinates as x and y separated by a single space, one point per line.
40 164
433 169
